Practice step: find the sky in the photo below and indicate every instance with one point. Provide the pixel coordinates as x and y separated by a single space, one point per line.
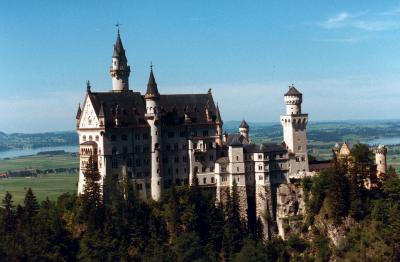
344 56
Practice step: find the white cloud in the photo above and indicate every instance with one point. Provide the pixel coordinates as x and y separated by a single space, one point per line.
365 21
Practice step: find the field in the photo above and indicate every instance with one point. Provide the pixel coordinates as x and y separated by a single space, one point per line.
46 185
48 161
43 186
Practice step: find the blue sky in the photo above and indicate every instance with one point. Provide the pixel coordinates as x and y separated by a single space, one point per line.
343 55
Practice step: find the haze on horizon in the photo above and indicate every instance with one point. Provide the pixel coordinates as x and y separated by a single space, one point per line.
343 57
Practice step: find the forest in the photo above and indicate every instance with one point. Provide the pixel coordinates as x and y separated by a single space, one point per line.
187 225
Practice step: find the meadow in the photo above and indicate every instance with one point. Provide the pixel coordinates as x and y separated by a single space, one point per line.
51 186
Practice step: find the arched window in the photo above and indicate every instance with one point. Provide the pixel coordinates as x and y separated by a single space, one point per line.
90 138
97 138
205 180
84 138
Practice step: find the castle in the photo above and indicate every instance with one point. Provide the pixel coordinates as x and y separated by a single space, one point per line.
159 140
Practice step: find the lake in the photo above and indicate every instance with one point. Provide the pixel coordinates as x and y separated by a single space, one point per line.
34 151
385 141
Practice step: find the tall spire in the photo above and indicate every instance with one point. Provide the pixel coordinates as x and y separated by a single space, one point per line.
152 90
120 70
218 118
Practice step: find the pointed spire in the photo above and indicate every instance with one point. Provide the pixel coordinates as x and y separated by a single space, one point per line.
152 90
218 118
119 51
79 112
244 124
88 87
101 111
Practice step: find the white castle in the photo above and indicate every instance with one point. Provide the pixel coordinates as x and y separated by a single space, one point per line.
160 140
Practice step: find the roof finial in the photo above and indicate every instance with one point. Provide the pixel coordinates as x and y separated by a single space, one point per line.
88 86
151 65
117 25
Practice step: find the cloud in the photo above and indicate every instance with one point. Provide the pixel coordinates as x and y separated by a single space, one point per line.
364 21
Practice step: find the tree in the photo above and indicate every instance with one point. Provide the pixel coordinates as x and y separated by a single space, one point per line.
31 206
233 228
8 219
92 193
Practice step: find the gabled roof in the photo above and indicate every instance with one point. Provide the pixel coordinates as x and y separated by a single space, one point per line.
236 142
244 125
293 91
344 150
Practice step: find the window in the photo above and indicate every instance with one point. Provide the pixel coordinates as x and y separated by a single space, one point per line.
260 177
237 158
203 169
299 147
177 159
97 138
297 159
182 134
170 134
205 180
184 159
205 132
137 148
303 158
145 148
146 162
176 148
129 162
114 150
137 136
184 147
114 163
90 138
168 147
211 157
138 162
139 186
260 156
125 150
212 169
237 169
124 137
260 167
145 136
212 180
84 138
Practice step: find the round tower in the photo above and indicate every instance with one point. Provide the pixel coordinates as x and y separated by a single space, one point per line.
293 100
119 70
380 159
244 129
152 97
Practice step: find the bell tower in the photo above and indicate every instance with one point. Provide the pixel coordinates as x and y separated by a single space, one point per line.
119 70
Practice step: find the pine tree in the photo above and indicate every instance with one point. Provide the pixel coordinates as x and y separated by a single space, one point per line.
233 228
31 206
8 218
92 197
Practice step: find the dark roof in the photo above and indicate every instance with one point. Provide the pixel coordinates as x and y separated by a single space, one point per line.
152 90
239 137
244 125
174 107
264 147
130 108
293 92
119 51
236 142
223 160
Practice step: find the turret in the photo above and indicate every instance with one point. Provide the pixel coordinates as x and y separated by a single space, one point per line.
219 123
119 70
380 159
78 115
244 129
152 97
293 100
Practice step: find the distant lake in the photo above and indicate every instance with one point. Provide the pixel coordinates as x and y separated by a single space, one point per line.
34 151
385 141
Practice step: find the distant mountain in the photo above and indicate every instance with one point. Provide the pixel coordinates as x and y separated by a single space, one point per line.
20 140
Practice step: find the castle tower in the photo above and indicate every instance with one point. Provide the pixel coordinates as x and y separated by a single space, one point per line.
294 124
244 129
152 97
380 159
119 70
